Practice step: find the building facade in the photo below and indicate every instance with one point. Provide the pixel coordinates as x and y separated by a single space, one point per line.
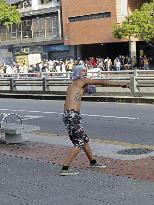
88 25
68 28
40 32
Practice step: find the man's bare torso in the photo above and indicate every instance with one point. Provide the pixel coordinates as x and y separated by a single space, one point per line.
74 94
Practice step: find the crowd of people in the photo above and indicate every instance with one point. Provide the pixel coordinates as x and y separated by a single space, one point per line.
105 64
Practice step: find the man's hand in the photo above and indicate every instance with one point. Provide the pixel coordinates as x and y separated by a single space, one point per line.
125 85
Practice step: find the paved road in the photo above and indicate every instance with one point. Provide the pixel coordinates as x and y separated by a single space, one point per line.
25 180
133 123
29 173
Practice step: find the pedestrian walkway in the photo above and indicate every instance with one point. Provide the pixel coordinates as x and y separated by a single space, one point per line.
29 174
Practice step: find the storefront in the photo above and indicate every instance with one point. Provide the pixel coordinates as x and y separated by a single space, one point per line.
57 51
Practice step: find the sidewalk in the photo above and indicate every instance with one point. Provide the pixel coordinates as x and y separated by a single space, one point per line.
30 174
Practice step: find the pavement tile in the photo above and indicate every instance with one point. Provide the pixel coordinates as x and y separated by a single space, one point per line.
142 169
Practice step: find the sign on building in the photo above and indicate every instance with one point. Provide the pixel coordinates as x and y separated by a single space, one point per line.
22 59
34 58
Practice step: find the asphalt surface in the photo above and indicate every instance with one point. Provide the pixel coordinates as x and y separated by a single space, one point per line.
132 123
29 182
29 175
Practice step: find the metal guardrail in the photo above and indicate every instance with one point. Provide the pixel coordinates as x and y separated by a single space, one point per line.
66 75
137 79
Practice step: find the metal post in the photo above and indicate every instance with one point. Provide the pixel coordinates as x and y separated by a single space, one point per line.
99 74
134 86
42 74
18 75
135 72
12 84
67 74
44 84
132 52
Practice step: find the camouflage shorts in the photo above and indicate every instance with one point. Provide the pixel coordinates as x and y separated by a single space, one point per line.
72 121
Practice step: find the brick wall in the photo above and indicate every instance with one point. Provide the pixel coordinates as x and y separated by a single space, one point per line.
91 31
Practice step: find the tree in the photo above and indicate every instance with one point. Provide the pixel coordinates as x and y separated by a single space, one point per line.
139 25
8 14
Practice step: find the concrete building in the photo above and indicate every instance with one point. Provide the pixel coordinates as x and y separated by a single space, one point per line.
68 28
38 33
88 25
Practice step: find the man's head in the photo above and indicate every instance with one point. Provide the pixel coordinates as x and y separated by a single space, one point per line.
79 72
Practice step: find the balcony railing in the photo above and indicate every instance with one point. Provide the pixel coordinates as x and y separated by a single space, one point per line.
42 7
54 37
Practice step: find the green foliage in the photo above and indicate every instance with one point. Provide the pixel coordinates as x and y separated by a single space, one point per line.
140 24
8 14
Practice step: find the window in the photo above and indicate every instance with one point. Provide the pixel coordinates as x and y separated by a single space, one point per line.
42 27
54 25
19 30
35 27
39 27
8 33
48 26
3 33
13 31
89 17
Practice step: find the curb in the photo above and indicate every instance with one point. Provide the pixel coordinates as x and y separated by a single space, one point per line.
122 99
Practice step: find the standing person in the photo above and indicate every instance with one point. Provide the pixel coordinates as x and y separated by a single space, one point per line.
24 68
145 62
108 63
72 117
117 64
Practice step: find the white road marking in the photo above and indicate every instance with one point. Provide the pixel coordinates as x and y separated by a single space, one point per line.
101 116
29 117
117 117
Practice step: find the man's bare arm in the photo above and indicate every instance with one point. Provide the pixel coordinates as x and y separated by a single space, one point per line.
88 81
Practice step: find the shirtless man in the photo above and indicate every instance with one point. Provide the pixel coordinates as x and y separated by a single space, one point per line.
72 117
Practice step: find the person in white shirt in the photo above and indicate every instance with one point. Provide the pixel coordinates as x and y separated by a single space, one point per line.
117 64
9 70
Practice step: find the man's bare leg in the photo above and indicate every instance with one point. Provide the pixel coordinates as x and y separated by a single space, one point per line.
75 151
87 150
71 156
93 162
69 159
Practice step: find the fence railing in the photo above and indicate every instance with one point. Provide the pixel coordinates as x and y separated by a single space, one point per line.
93 73
141 82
